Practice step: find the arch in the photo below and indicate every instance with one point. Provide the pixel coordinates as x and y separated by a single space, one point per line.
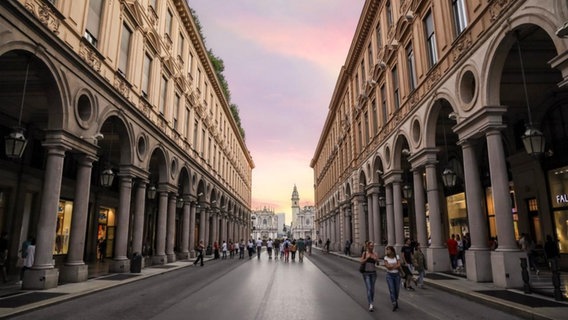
401 142
377 168
117 138
433 113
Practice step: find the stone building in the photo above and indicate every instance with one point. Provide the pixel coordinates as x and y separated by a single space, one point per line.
434 128
265 224
303 222
129 136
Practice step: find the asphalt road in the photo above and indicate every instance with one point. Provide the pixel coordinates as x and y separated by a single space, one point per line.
322 287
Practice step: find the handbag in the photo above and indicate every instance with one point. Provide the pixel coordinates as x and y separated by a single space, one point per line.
362 267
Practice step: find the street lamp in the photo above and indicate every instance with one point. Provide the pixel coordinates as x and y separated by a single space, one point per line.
107 176
15 142
533 139
449 177
152 192
406 191
382 201
179 203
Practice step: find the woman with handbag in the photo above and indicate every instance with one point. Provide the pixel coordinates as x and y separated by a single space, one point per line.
392 264
368 262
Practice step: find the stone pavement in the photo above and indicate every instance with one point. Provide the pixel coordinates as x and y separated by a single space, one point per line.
13 300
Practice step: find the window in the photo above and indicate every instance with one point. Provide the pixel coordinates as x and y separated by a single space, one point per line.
383 105
389 14
370 55
363 73
360 131
124 50
93 21
187 119
375 115
411 67
195 131
168 23
181 43
395 88
430 40
379 36
146 70
163 92
357 88
367 134
176 111
460 17
203 142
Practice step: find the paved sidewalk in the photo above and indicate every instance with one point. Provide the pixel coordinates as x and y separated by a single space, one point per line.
13 300
528 306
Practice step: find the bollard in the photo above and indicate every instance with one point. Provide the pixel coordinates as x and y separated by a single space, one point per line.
556 280
525 274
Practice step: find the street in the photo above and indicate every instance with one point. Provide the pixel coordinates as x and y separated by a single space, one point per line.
324 286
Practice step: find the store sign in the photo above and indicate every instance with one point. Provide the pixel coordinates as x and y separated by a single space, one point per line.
561 198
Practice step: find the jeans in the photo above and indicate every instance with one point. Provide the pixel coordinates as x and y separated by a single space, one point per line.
370 278
393 281
421 278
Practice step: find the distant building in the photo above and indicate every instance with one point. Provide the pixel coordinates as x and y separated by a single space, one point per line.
302 218
265 224
282 224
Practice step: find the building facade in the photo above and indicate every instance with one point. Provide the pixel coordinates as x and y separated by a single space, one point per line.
425 132
303 223
119 90
265 224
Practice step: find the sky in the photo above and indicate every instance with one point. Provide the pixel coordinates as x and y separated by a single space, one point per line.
282 60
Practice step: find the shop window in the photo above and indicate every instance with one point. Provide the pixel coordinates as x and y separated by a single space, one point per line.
457 214
105 231
558 184
63 227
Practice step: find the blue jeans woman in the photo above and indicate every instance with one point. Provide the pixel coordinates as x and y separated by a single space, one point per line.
369 260
392 264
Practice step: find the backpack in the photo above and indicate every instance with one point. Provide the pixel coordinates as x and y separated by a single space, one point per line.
286 244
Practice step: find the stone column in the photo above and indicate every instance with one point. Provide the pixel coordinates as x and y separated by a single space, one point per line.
207 231
348 235
505 261
477 257
160 255
398 215
379 248
437 256
75 269
184 254
390 215
420 208
171 228
361 223
139 208
370 219
120 262
192 213
43 275
202 225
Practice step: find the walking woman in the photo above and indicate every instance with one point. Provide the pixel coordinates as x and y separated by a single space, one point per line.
393 277
369 258
199 249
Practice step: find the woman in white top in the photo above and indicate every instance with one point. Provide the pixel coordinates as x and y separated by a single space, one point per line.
393 277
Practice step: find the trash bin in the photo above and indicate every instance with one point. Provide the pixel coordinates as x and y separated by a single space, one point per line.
209 251
136 263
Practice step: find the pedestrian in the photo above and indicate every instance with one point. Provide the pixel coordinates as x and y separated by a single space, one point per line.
392 264
258 248
216 254
309 245
276 248
407 252
224 250
242 249
269 244
199 249
453 251
551 251
369 258
301 247
29 260
4 255
327 243
250 247
419 262
347 249
287 245
293 249
102 249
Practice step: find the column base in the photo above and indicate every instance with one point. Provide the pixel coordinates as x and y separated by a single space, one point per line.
119 266
478 265
183 255
438 259
40 279
159 259
192 254
171 257
74 273
506 268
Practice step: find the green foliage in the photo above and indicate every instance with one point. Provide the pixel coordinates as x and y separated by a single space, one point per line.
219 67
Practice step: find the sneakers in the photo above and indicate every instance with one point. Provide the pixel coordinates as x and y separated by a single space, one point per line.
371 308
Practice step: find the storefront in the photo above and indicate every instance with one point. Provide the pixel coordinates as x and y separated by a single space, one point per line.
558 184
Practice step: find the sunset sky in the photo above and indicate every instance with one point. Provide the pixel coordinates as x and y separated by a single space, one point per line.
282 59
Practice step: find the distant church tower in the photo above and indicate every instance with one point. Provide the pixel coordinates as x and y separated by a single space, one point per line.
295 205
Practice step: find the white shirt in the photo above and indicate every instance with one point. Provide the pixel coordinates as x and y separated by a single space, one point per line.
29 260
391 261
269 244
224 246
259 243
